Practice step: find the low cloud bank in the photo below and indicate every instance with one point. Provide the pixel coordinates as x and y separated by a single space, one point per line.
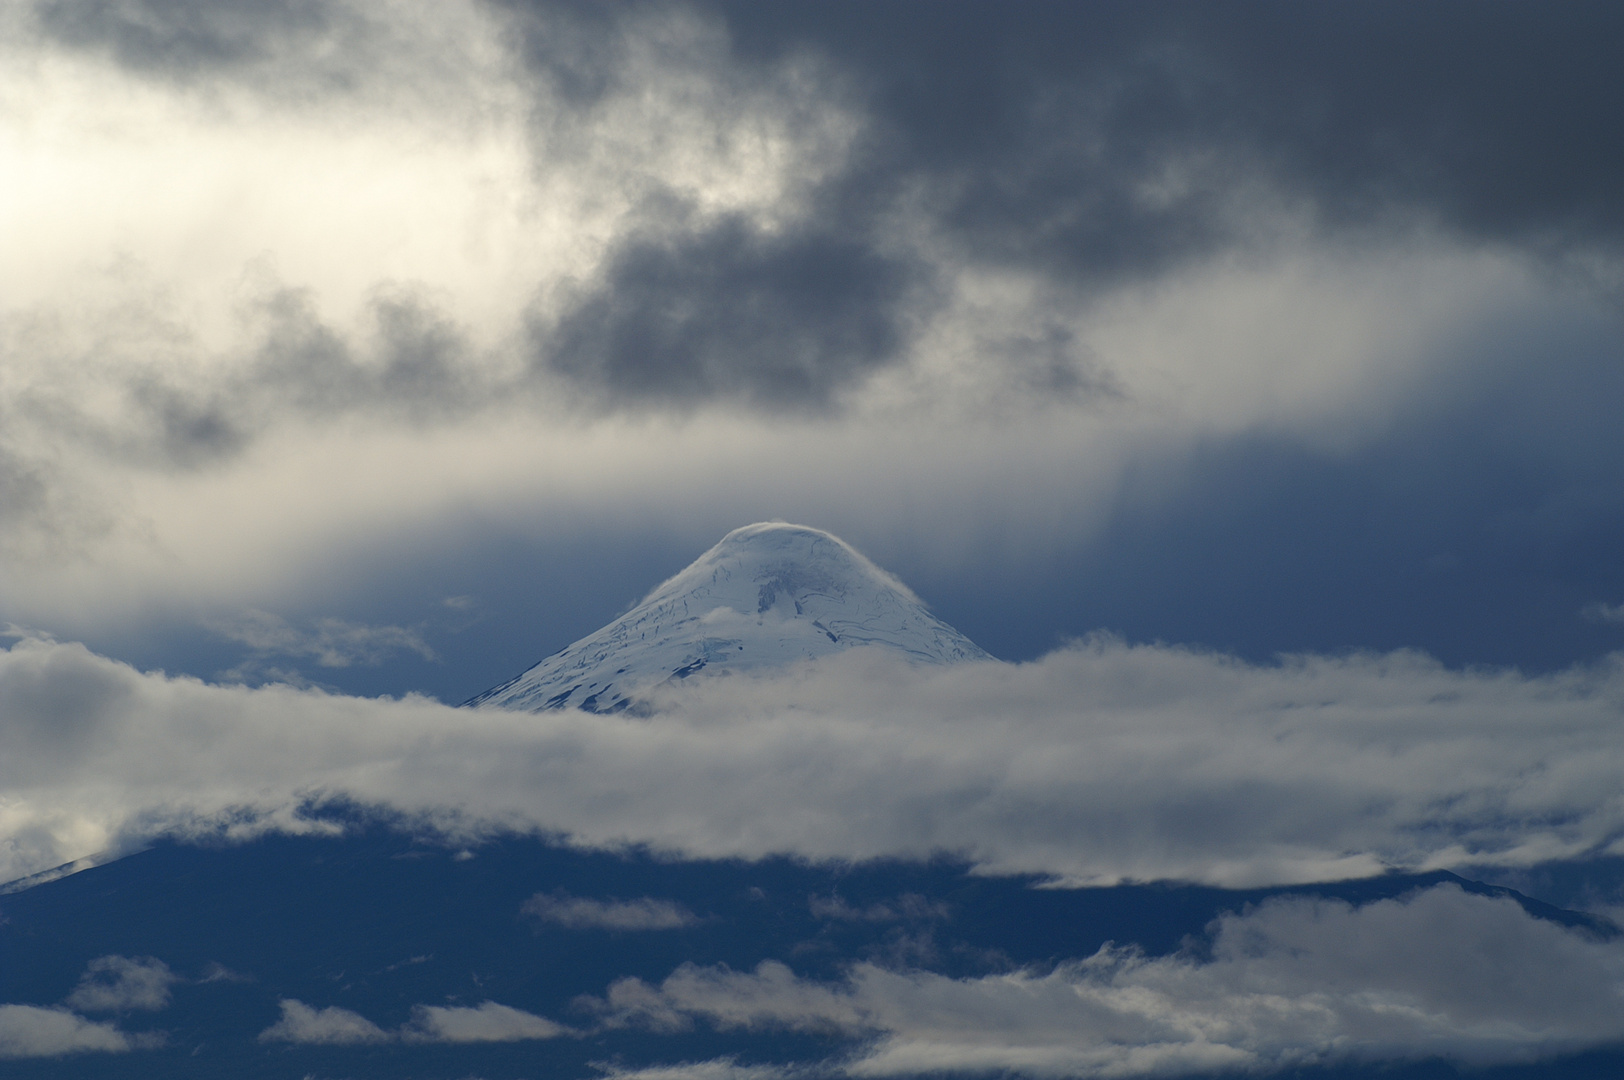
1099 763
1291 983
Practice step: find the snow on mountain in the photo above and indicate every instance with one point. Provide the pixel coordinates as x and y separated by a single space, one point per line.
768 594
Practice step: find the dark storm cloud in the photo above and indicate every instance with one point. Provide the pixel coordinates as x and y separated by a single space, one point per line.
1102 144
1039 125
725 312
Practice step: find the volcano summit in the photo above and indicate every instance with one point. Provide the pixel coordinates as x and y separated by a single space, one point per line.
767 595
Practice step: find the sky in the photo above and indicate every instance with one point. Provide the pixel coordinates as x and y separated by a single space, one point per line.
1245 377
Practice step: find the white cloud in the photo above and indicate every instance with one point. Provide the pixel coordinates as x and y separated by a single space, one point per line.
575 912
489 1022
1099 763
30 1031
119 983
330 1026
1292 982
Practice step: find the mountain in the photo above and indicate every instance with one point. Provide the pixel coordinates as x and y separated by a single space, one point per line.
768 594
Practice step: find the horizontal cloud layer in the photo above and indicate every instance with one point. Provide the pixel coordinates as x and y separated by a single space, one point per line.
1100 763
1292 982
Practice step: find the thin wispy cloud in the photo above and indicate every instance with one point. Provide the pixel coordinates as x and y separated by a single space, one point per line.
1606 613
332 643
581 913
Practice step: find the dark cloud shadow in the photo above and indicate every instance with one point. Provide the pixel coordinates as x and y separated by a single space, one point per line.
1103 137
726 313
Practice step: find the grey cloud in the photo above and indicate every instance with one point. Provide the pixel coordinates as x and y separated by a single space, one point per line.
331 642
1607 613
55 706
726 312
1106 138
1294 982
909 906
24 494
1097 764
1093 146
331 1026
29 1031
418 366
577 913
487 1022
573 47
716 1069
306 45
172 411
121 983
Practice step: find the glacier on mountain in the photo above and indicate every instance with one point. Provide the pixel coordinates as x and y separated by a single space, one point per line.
768 594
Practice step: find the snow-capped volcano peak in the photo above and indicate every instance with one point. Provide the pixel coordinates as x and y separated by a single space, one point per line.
766 595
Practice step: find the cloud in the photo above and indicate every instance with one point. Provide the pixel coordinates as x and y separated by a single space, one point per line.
724 313
1290 983
717 1069
1607 613
28 1031
289 54
1100 763
577 913
489 1022
1111 141
179 38
122 983
906 906
332 642
331 1026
